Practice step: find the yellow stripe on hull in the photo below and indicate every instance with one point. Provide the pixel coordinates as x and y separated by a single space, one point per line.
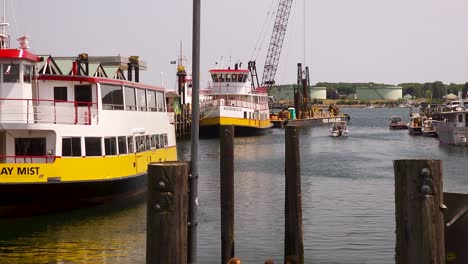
70 169
242 122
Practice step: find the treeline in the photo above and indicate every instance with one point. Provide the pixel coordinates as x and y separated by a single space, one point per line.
429 90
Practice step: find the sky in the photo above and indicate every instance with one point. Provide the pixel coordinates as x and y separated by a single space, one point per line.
384 41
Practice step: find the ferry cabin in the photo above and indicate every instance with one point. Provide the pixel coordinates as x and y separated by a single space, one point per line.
232 101
454 129
92 132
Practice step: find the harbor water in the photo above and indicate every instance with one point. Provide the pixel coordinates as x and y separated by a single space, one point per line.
348 201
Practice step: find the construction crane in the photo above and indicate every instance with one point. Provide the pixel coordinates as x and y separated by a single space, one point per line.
275 47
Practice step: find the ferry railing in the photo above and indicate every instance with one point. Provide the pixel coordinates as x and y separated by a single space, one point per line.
234 103
27 159
48 111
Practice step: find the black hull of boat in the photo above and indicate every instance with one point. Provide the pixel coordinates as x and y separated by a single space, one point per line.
415 130
28 199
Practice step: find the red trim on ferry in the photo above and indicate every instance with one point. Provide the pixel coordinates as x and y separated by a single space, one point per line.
77 78
18 54
230 71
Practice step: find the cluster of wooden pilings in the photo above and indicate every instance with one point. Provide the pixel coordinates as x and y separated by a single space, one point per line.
422 218
183 122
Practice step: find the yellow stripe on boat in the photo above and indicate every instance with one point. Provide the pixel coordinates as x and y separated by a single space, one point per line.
243 122
85 168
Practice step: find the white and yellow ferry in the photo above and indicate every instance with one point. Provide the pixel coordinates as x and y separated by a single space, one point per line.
75 131
232 101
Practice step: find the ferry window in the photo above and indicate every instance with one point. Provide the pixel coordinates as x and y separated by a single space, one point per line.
112 97
222 77
11 73
460 118
83 95
122 143
215 77
60 93
140 143
245 114
245 78
93 146
234 78
240 77
141 97
30 147
153 141
71 147
130 144
161 141
160 101
27 75
152 101
148 142
110 146
228 77
130 98
166 143
158 145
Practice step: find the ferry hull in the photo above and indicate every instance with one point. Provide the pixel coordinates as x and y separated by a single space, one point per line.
26 199
239 131
209 127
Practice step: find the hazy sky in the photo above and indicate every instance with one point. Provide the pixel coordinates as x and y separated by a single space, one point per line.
389 41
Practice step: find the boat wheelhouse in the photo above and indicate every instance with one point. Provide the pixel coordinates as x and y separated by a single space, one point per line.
232 101
77 131
415 124
454 129
429 128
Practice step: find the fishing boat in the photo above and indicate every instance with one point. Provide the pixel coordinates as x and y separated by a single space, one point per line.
76 131
397 123
339 129
232 101
415 124
429 128
454 129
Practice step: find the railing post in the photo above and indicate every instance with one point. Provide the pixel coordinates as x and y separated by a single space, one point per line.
419 216
293 238
167 213
76 112
89 113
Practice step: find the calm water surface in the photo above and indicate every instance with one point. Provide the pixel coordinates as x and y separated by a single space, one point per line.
348 206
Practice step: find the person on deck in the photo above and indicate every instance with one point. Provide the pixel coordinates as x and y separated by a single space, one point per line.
292 260
234 261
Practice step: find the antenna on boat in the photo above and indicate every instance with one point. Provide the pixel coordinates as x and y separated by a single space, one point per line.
3 29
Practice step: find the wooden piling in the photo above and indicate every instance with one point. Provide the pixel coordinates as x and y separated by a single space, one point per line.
227 192
419 217
167 213
293 238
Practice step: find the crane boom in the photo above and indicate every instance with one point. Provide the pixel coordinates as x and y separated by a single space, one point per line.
276 42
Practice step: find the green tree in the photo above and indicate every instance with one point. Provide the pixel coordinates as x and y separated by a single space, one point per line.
465 90
438 90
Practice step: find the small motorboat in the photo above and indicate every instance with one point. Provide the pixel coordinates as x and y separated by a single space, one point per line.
429 128
339 129
397 123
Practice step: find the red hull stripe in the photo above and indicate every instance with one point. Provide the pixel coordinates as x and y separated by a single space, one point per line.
77 78
18 54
